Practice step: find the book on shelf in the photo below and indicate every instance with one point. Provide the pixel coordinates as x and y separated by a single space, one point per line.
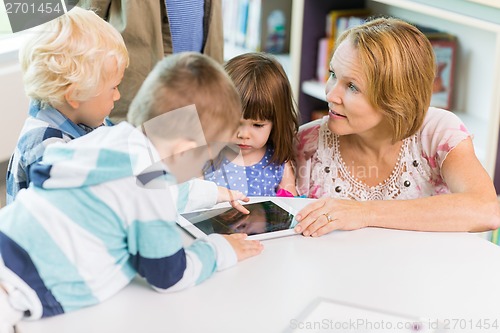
445 48
337 21
258 25
333 17
325 45
242 22
442 89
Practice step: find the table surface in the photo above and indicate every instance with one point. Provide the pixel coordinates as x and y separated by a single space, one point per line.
450 277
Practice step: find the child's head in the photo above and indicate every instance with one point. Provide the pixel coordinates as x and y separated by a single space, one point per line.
266 95
187 98
72 60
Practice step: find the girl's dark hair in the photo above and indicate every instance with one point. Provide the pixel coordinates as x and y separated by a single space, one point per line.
266 95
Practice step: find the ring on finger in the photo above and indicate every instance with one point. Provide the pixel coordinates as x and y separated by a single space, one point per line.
328 217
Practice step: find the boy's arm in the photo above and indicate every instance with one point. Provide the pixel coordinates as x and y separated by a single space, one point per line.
200 194
158 255
203 258
229 249
156 247
194 194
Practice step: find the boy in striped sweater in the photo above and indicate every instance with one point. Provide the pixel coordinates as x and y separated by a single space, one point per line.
103 208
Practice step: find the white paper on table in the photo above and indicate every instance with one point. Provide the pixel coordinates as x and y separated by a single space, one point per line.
327 315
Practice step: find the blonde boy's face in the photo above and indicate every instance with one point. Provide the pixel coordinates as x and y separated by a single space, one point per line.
93 111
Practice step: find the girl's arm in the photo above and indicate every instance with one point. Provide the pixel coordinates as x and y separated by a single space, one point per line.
288 180
472 205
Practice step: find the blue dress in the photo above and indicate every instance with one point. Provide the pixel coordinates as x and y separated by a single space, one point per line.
260 179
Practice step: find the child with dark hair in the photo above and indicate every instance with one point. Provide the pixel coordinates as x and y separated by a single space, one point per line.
266 135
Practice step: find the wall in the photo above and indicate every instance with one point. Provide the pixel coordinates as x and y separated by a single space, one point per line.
14 107
469 7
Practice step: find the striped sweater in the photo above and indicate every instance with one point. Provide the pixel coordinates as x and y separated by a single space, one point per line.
99 212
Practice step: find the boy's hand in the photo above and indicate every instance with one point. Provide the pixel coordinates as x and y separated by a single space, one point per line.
244 248
233 197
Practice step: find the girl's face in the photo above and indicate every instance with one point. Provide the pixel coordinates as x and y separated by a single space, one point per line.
93 111
252 136
350 112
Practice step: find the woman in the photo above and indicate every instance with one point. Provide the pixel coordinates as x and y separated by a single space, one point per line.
383 157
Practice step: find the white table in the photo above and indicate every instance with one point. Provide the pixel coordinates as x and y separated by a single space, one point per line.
440 276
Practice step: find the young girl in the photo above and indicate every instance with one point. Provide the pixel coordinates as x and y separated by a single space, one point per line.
266 133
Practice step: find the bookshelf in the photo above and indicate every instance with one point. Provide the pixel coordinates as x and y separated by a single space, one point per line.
258 25
477 72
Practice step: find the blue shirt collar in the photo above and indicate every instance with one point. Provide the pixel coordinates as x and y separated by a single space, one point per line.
56 119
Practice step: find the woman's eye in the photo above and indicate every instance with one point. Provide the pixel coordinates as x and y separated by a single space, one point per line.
352 87
332 74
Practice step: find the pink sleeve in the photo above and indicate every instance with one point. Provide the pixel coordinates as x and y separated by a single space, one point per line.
307 145
441 132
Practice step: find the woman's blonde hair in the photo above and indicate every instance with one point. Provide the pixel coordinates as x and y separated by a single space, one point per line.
399 66
266 95
184 79
70 51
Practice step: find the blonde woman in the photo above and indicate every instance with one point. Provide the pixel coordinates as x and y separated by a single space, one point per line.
383 157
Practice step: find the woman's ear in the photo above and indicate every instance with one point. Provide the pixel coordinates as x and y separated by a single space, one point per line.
68 96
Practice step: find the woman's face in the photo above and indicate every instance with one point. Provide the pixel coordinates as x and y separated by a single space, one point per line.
350 112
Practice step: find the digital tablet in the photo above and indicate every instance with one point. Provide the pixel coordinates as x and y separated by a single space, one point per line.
267 219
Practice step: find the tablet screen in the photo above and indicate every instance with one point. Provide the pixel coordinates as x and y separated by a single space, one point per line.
264 217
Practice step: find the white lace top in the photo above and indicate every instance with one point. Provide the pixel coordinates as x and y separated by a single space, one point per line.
321 172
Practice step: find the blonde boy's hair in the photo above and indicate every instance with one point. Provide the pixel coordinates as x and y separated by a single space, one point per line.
185 79
70 52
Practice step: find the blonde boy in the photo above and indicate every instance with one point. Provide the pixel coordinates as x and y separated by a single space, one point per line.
72 67
103 208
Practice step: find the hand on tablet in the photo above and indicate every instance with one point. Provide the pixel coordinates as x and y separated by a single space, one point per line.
244 248
233 197
325 215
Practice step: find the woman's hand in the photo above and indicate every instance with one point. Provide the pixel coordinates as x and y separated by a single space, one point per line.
325 215
234 198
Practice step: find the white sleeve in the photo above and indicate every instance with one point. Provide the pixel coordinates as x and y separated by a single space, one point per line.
194 194
226 256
